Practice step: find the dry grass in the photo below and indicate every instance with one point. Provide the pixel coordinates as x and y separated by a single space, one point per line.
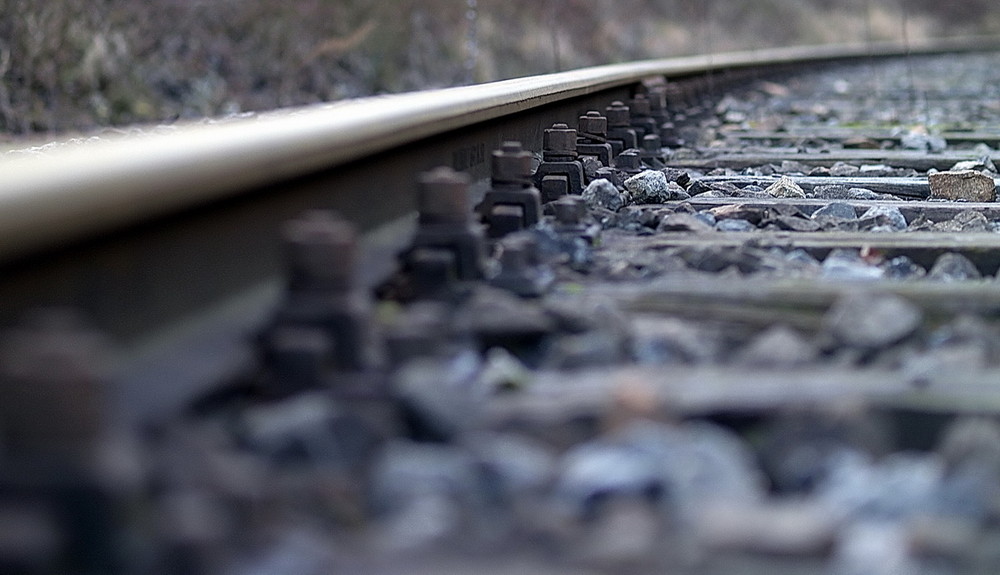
79 64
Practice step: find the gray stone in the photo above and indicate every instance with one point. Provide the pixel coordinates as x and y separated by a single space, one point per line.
492 312
897 486
902 268
648 187
871 321
968 185
971 440
842 170
785 528
836 212
848 265
588 349
706 217
309 429
800 446
682 177
662 341
778 346
677 192
954 267
792 167
502 371
423 494
884 216
841 192
698 462
866 194
922 141
734 226
604 470
802 260
712 194
590 166
751 214
873 548
796 224
603 194
964 221
785 187
683 223
983 164
517 466
440 393
830 192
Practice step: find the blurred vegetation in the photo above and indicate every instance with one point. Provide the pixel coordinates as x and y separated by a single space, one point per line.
80 64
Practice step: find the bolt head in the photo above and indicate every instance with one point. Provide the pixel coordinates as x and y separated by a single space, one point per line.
560 139
618 114
512 164
657 101
566 211
640 106
513 257
593 123
443 196
651 143
629 160
321 250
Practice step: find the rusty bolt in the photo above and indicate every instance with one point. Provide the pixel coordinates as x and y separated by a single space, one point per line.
618 114
443 197
629 161
569 211
657 102
560 139
640 106
321 250
512 163
593 123
651 143
514 257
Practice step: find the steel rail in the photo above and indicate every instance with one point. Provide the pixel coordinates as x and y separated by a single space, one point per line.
79 191
169 242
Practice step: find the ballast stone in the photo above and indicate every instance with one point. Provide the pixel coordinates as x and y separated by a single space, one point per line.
649 187
884 216
953 267
785 187
603 194
871 321
968 185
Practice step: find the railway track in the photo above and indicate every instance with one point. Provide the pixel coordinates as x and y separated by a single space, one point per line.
761 339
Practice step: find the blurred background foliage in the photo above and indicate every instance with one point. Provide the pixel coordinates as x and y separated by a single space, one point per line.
74 65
